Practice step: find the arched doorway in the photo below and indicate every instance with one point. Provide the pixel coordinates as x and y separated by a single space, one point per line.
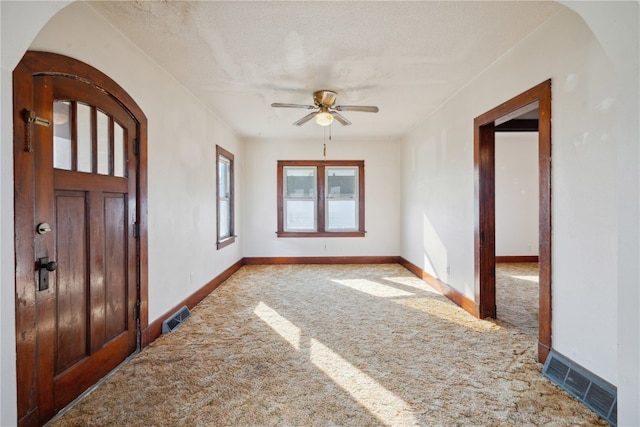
80 188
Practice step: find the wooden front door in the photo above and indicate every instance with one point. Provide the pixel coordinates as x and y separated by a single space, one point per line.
82 300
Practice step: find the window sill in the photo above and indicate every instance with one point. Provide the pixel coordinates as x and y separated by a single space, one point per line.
321 234
226 242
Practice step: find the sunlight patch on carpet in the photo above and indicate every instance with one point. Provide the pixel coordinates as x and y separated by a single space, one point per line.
448 312
412 282
529 278
281 325
383 404
372 288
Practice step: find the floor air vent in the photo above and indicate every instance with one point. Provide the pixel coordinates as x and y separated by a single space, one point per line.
588 388
175 320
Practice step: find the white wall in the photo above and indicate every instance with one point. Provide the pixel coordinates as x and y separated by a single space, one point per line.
382 198
20 22
182 136
516 193
617 27
438 178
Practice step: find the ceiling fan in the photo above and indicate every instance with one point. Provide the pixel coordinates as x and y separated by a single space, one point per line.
323 101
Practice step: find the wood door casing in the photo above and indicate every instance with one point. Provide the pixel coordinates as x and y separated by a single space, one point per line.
69 336
484 177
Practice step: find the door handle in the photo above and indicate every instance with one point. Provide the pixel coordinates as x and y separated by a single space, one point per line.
45 266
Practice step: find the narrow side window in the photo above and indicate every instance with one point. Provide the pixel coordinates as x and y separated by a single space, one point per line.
224 197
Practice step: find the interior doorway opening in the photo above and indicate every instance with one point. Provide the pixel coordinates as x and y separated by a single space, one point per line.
517 217
485 127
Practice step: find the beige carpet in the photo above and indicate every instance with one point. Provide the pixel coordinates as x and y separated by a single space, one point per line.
517 297
332 346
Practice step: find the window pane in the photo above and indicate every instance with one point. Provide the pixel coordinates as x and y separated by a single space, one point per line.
103 143
62 135
300 215
225 218
300 182
341 215
84 138
341 182
224 173
118 150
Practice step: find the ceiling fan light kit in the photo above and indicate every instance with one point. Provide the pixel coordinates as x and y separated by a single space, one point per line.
324 101
324 118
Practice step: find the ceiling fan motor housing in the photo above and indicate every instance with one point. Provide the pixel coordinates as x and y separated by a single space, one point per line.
324 97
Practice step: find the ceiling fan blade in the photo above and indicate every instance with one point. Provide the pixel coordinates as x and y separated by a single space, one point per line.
280 105
339 117
365 108
305 119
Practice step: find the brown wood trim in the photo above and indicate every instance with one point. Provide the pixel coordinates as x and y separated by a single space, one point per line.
24 219
543 352
322 234
485 229
322 260
154 329
222 243
321 162
68 180
320 195
517 258
484 171
544 252
519 125
225 242
143 228
55 64
452 294
361 188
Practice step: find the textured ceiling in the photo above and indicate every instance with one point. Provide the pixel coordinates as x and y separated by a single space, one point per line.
407 58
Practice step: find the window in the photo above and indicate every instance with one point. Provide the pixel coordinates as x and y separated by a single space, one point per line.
224 196
321 198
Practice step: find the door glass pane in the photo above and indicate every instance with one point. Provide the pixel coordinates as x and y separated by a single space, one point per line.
300 182
300 215
341 215
62 135
118 150
341 182
84 138
103 143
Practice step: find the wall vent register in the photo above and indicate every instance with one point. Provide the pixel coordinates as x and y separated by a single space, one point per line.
591 390
175 320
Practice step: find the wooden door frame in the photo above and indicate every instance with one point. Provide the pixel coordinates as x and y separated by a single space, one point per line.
42 64
484 202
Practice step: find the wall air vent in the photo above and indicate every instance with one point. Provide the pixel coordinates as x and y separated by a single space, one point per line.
594 392
175 320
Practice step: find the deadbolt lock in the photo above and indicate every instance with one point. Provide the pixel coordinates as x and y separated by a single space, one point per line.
43 228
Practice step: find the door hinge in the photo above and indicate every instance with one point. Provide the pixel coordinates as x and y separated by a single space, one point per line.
136 147
31 117
136 230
